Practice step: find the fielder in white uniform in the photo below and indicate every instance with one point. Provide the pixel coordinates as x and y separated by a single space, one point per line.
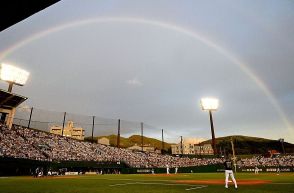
167 169
229 172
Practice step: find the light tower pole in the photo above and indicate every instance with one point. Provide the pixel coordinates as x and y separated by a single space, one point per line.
211 104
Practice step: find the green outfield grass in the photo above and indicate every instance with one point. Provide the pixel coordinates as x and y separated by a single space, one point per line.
283 183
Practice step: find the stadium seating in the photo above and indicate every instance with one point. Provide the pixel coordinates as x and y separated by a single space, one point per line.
20 142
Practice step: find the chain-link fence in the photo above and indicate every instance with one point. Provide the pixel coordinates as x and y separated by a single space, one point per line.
119 132
94 127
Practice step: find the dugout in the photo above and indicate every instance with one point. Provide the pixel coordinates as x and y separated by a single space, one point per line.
8 103
10 166
20 167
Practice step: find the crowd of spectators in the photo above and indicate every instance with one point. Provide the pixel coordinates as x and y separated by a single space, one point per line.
20 142
13 145
261 161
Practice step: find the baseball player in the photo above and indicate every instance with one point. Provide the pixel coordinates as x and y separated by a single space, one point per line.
167 169
256 170
278 170
229 172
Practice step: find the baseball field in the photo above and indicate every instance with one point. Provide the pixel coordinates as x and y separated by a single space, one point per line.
148 183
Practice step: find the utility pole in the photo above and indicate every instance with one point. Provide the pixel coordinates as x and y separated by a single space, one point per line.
63 123
200 148
93 125
118 134
234 156
142 137
220 151
162 141
182 151
30 118
282 143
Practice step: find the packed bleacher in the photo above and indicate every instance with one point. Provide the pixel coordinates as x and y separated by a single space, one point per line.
261 161
19 142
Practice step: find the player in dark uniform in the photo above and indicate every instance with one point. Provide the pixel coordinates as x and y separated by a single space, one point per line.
229 172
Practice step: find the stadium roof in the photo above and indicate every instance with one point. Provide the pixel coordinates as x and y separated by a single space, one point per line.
17 10
9 100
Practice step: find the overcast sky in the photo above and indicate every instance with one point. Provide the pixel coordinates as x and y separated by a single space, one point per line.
152 61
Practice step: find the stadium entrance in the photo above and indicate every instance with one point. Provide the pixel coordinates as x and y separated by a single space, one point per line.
2 117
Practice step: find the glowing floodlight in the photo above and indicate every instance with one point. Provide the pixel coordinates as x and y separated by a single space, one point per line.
13 75
209 104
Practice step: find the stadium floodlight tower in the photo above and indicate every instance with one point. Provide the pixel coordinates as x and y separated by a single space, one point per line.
13 75
9 101
210 104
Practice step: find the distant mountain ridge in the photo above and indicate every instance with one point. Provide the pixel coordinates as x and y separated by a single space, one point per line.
243 144
134 140
251 145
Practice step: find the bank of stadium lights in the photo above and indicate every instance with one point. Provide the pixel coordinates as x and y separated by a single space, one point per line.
210 104
13 75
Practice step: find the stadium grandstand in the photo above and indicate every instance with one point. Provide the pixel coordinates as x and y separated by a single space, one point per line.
28 144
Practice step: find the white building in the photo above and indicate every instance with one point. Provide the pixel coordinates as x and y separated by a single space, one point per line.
103 141
186 147
203 149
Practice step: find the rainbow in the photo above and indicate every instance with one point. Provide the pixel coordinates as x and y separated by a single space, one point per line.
221 50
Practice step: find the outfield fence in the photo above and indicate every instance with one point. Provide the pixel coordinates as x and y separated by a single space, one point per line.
17 166
93 126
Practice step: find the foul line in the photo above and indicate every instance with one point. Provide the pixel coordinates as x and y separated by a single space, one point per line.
198 187
119 179
193 187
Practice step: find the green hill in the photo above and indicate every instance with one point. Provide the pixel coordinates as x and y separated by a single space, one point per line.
251 145
133 140
243 144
